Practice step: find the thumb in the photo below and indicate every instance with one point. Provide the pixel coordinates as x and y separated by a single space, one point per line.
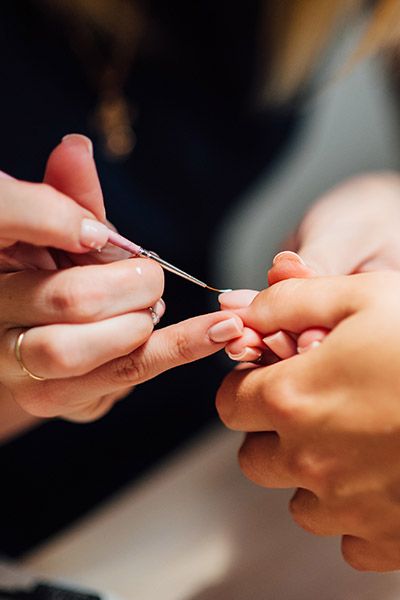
288 264
299 304
71 170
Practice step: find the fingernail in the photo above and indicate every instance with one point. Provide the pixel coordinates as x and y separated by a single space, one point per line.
304 349
281 344
159 308
77 139
288 255
93 234
248 355
5 175
225 331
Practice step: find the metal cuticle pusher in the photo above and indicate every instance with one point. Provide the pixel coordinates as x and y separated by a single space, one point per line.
137 251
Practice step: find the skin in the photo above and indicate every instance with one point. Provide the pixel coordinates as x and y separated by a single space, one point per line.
327 421
88 327
352 229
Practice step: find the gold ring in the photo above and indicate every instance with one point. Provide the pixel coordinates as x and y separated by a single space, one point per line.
18 356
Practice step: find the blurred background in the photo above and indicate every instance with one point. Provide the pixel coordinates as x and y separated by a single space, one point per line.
198 165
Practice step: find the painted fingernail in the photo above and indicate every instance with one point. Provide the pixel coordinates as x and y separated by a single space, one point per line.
281 344
288 255
304 349
77 139
248 355
225 331
159 308
93 234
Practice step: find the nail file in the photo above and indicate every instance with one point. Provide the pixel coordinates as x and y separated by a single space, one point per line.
118 240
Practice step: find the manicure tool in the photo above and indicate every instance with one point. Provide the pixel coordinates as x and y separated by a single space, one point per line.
118 240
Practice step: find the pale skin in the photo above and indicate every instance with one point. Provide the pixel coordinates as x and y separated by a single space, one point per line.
328 421
89 330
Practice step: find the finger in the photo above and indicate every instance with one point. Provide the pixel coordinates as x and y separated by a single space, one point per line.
311 338
71 169
299 304
282 344
320 518
167 348
63 351
248 347
263 460
274 398
287 265
40 215
236 299
366 555
325 513
79 294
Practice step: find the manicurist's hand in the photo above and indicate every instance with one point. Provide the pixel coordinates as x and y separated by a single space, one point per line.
85 317
328 421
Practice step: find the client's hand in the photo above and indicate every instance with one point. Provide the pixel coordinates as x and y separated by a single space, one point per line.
328 421
352 229
84 326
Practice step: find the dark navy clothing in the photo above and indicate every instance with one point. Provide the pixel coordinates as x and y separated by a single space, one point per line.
200 143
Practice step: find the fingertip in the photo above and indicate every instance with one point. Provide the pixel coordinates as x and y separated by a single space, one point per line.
71 169
237 298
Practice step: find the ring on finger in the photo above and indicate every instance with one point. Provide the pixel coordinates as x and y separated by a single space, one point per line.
17 352
154 316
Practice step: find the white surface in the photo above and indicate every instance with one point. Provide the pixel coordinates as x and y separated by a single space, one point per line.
197 530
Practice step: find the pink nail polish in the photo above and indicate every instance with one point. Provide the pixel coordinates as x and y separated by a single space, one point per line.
159 308
248 355
93 234
281 344
77 139
304 349
288 255
224 331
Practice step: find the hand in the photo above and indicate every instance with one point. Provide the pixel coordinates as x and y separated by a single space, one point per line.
353 228
328 421
85 326
252 346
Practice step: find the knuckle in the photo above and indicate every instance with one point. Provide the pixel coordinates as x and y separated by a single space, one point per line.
129 370
56 355
313 471
181 346
286 406
75 300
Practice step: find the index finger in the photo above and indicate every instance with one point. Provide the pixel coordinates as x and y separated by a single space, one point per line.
166 349
298 304
38 214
